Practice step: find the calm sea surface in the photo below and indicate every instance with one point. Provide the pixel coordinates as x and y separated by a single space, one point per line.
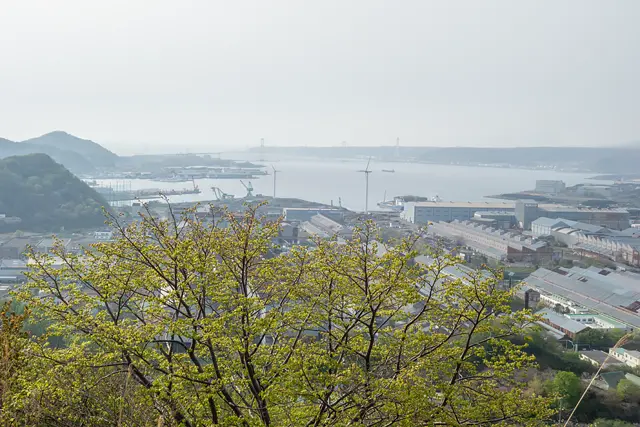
331 181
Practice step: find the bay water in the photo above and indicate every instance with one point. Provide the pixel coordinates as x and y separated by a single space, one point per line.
338 181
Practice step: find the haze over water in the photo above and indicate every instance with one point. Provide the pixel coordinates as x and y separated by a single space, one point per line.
327 181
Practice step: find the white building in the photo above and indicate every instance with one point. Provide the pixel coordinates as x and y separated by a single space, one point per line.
550 186
590 239
629 357
425 212
597 321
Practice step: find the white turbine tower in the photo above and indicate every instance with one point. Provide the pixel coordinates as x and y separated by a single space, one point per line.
275 174
366 171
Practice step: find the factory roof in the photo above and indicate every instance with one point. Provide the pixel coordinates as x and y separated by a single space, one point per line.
487 221
458 271
601 290
510 237
18 242
488 213
562 321
543 221
320 208
12 263
486 205
566 230
550 207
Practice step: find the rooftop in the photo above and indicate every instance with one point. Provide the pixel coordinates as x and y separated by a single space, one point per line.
600 318
612 378
543 221
632 353
600 356
562 321
561 208
510 237
12 263
600 290
496 213
488 205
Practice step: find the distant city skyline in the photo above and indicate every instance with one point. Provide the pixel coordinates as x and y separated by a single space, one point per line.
141 77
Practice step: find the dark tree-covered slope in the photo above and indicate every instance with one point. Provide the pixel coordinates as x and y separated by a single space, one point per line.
46 195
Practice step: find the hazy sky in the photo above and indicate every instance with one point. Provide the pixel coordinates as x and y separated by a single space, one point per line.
168 75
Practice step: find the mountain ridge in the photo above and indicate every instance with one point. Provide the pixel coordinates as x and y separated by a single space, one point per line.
92 151
76 154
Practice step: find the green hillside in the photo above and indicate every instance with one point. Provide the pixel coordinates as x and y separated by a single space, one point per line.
46 196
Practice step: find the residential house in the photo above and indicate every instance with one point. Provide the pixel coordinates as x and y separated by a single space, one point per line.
629 357
598 357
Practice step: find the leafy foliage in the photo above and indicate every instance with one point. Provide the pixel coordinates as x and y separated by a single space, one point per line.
12 343
568 388
550 354
601 338
628 390
193 324
46 196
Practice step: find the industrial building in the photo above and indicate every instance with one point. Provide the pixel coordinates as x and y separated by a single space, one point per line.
528 211
494 243
544 226
561 325
598 191
503 220
592 240
425 212
612 294
550 186
322 226
305 214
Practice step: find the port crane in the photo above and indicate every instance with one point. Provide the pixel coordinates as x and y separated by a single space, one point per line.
221 196
247 187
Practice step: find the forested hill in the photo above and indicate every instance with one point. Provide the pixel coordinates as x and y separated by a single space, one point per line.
96 154
76 154
46 196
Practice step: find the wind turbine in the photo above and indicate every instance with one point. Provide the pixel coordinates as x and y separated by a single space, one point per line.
275 173
366 171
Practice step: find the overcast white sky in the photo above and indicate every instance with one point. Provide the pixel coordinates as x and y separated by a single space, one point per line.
168 75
